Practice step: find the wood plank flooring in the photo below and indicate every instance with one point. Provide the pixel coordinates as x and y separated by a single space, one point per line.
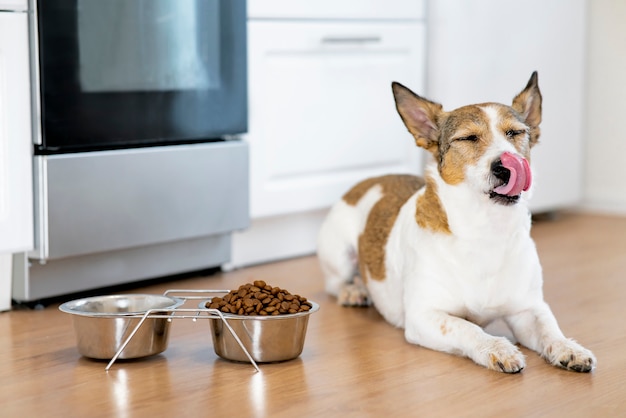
353 363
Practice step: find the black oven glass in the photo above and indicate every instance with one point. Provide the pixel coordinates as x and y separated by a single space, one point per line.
132 73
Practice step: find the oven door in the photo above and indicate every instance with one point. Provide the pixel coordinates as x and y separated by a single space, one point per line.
131 73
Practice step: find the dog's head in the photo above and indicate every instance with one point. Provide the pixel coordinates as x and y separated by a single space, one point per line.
485 145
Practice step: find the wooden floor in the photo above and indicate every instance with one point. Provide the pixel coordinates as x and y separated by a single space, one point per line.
353 363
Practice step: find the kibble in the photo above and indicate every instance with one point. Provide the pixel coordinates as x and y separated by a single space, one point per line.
259 298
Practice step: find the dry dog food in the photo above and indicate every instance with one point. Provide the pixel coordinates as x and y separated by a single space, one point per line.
259 298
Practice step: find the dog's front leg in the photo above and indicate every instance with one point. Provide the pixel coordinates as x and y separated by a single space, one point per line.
538 330
443 332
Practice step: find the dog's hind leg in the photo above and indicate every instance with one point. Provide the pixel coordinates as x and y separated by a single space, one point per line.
337 253
354 294
337 247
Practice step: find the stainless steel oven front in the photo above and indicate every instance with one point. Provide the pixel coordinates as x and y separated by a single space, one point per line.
140 170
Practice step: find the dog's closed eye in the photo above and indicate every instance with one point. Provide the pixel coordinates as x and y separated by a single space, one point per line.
512 133
471 138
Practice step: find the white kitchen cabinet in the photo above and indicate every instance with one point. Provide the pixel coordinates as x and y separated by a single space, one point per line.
336 9
16 208
322 118
14 5
322 115
486 50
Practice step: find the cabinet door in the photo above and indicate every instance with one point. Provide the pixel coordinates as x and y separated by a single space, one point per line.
460 73
16 213
322 115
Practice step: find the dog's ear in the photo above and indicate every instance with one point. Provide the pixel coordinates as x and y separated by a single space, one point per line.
528 104
419 115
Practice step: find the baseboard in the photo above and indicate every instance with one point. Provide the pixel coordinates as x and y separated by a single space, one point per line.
276 238
603 207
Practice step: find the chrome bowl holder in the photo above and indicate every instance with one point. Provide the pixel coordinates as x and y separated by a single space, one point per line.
182 313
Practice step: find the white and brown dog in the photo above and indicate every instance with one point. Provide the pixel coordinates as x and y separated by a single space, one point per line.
444 256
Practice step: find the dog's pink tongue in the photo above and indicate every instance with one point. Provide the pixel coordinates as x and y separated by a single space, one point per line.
520 175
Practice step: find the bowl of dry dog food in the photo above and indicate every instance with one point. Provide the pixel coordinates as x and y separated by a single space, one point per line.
270 322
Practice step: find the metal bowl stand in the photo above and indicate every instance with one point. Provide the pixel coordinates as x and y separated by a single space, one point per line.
183 313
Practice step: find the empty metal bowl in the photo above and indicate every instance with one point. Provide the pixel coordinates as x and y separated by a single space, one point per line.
103 323
267 338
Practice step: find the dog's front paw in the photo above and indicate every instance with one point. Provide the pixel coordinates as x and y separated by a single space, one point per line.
502 356
570 355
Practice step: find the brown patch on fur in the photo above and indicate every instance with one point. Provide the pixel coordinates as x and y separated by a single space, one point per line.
495 362
355 194
430 213
396 190
455 153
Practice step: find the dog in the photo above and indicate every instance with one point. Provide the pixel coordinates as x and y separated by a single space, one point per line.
445 255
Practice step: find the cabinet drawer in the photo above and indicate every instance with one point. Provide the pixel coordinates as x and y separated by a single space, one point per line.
322 115
337 9
14 5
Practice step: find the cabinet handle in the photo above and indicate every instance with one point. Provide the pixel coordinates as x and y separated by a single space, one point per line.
351 39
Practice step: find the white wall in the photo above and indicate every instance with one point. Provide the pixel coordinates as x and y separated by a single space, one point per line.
605 133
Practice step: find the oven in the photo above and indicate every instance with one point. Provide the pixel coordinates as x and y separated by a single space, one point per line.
139 166
133 73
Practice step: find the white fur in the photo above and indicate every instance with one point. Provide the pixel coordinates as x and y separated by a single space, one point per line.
443 289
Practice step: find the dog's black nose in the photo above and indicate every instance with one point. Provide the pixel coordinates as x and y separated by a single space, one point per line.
500 172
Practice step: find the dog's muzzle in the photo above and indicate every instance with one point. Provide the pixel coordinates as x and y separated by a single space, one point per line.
513 176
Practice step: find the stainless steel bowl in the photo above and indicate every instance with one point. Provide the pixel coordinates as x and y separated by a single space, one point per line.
267 338
103 323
